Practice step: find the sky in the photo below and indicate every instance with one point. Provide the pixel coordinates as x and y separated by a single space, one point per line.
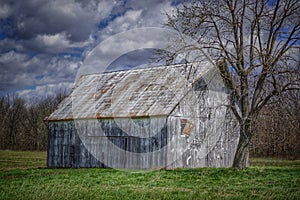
44 43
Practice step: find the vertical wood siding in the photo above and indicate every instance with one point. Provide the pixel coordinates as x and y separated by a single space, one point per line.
117 143
65 148
201 132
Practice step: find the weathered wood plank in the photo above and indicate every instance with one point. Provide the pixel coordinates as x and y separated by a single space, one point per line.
201 131
116 143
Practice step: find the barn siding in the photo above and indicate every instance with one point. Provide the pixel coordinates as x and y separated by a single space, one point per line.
210 140
117 143
65 148
199 130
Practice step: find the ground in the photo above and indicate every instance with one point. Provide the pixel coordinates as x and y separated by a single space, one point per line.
23 175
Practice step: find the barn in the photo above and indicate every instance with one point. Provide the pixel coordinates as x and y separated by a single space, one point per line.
151 118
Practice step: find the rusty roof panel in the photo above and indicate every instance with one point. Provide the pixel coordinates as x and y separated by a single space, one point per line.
133 93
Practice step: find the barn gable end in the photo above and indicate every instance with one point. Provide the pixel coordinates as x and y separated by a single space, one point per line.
147 118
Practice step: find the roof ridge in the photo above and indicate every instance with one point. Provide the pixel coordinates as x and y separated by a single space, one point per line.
138 69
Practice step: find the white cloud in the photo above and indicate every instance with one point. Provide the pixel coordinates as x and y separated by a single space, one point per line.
12 56
121 44
58 43
19 70
104 8
140 14
41 30
44 90
55 42
128 21
5 11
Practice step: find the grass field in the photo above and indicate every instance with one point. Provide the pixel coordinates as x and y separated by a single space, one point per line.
23 175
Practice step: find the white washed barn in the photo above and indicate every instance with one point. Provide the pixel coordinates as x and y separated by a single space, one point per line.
162 117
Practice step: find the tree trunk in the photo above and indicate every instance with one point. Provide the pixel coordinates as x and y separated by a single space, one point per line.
241 158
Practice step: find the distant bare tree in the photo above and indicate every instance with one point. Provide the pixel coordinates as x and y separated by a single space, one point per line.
38 110
4 109
277 132
15 118
256 43
21 122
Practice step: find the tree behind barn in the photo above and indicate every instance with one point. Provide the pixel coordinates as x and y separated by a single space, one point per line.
256 43
21 121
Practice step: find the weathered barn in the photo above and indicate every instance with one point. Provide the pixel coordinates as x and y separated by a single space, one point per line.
162 117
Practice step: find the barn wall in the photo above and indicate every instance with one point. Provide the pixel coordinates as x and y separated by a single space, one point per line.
65 148
118 143
202 131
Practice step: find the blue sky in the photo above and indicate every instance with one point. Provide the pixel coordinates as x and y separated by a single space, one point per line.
44 42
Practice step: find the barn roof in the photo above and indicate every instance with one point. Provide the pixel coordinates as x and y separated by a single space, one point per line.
133 93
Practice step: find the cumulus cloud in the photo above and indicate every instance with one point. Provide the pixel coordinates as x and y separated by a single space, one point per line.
56 43
99 59
116 40
138 14
43 43
36 23
105 7
5 11
28 71
44 90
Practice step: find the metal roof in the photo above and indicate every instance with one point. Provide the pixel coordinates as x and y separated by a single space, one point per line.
133 93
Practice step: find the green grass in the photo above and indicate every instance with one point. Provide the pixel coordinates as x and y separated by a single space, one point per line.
10 160
22 176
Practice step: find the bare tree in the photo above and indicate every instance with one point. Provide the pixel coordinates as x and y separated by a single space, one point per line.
256 43
277 131
21 122
16 114
4 109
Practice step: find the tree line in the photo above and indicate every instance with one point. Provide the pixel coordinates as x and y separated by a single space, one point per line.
278 129
277 133
22 125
